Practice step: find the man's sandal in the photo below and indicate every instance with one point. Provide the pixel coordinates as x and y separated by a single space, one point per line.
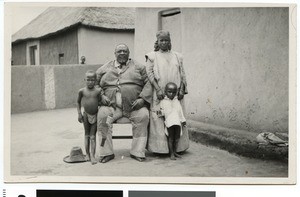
140 159
107 158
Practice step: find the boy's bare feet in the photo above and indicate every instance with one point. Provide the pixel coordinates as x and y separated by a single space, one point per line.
177 155
87 158
93 160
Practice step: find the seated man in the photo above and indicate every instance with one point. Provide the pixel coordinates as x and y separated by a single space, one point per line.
125 84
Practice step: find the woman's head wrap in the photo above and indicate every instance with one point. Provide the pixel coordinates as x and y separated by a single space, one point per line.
161 33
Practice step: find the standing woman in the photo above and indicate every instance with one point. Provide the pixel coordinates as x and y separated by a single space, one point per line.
163 66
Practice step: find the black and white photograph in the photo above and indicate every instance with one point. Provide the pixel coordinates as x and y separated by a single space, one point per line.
150 93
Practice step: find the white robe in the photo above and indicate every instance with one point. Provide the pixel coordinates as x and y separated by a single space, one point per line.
172 111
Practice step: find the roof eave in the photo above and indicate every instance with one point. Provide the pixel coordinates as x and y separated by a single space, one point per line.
109 29
49 34
73 27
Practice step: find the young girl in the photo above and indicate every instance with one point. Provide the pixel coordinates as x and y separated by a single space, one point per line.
171 110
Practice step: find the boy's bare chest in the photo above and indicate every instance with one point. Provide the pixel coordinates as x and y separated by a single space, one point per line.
90 94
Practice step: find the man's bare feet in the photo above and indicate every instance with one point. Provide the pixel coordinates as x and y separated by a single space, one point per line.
107 158
93 160
87 158
177 155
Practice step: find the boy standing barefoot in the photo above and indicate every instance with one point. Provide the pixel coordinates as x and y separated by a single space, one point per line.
172 113
89 97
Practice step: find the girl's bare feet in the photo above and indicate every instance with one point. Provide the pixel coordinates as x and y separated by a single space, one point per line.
172 157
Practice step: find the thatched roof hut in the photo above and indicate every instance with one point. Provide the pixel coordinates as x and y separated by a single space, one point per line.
57 19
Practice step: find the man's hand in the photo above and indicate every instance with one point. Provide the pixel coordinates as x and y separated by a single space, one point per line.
160 94
183 124
80 118
138 104
105 100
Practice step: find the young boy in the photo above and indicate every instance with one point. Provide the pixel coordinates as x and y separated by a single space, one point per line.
173 116
90 97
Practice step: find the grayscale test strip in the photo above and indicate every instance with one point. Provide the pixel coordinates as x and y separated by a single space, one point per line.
78 193
61 193
103 193
172 193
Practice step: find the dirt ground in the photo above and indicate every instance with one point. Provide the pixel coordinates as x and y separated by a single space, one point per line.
40 141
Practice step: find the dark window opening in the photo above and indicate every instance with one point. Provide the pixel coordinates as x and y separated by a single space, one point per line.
61 58
33 54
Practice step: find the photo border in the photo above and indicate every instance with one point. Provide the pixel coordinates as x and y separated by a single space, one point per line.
291 179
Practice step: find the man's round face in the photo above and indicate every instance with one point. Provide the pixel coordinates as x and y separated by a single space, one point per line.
122 53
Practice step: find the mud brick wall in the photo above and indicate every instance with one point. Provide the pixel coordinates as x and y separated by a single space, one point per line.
236 61
35 88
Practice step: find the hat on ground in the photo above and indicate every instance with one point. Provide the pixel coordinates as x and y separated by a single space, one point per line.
75 156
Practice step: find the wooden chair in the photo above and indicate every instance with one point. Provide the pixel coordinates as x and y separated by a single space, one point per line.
125 133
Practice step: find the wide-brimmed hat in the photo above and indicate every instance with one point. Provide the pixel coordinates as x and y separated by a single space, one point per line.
75 156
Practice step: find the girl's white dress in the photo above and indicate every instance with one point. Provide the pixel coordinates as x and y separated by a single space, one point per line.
172 111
